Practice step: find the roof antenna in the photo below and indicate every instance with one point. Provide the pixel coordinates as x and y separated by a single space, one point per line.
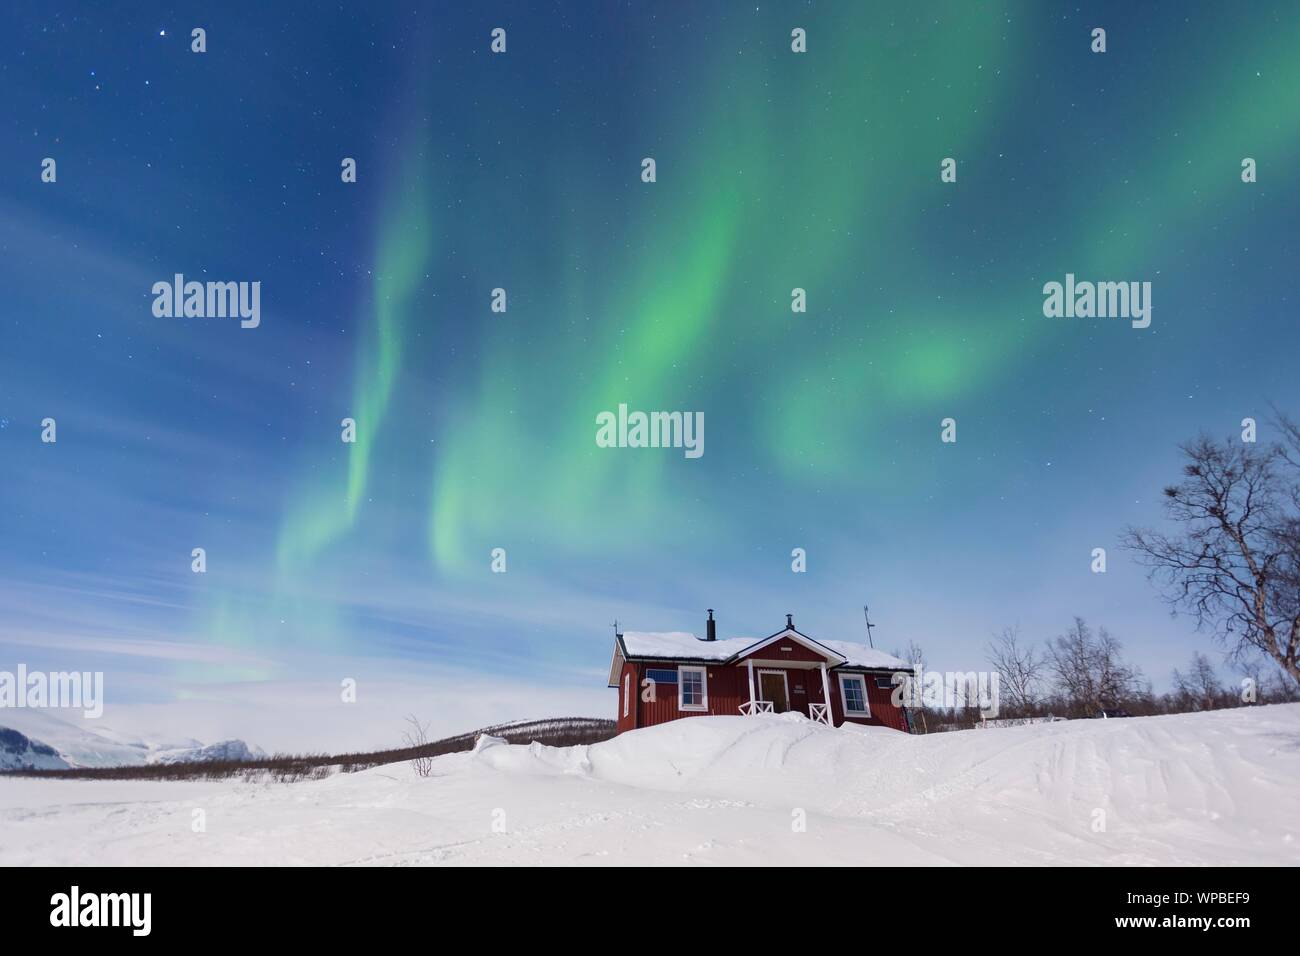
616 632
866 616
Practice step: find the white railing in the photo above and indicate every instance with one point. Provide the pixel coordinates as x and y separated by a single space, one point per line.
820 712
752 707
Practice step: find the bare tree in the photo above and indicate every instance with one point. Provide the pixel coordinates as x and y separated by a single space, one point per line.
1262 681
1090 674
913 655
1286 596
1235 562
916 657
1199 688
1021 670
1184 694
418 736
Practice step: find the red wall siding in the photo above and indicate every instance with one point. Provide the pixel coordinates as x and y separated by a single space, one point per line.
800 683
728 688
777 652
882 705
723 692
883 711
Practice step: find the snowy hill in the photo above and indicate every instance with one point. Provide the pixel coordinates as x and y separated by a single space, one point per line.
78 745
1213 788
222 750
18 752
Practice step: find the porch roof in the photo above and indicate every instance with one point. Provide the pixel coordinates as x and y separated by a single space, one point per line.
685 646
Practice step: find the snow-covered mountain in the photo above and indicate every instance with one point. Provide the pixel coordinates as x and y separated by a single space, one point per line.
222 750
19 752
71 744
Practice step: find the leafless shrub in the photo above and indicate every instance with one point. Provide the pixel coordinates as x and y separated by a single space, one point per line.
417 739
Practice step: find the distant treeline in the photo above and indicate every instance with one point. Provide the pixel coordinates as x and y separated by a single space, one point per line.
1227 557
1083 673
554 732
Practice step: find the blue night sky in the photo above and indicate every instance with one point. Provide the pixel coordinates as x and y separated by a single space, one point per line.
476 429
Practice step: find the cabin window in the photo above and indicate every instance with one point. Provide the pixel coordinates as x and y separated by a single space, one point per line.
853 694
627 692
662 676
885 683
692 688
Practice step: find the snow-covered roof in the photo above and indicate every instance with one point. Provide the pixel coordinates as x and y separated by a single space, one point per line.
683 645
860 655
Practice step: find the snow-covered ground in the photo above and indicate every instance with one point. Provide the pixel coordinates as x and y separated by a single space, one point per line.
1216 788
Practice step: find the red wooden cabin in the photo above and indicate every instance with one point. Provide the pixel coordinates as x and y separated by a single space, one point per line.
664 676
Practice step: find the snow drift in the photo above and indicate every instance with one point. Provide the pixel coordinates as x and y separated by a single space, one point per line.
1213 788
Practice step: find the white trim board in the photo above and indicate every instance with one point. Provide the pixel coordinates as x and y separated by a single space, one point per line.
703 706
789 634
844 699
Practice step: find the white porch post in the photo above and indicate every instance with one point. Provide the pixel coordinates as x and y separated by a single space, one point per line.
750 663
826 695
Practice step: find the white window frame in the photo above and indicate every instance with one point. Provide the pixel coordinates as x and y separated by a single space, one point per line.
627 693
701 707
844 697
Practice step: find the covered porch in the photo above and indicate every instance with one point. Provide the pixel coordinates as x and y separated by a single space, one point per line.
788 673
